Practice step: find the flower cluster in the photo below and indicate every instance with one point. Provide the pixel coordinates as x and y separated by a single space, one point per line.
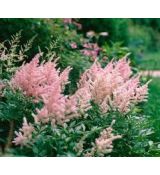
103 144
35 80
24 134
91 50
59 108
113 87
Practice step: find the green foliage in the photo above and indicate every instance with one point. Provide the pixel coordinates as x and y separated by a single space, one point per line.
116 50
136 132
77 137
139 37
150 61
116 28
12 55
152 109
151 22
14 105
41 28
144 34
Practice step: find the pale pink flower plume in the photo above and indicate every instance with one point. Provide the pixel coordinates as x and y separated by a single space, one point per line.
24 134
35 80
104 143
60 109
78 25
46 83
20 139
112 87
128 94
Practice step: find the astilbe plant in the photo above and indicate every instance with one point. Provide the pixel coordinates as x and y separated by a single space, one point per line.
111 88
46 83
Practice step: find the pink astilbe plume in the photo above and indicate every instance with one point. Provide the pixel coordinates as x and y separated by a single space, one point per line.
24 134
59 108
67 20
103 144
129 93
54 106
27 78
46 83
113 87
33 79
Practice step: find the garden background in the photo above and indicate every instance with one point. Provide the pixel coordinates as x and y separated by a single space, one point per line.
139 39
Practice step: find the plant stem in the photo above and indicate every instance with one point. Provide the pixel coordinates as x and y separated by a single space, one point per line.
10 135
